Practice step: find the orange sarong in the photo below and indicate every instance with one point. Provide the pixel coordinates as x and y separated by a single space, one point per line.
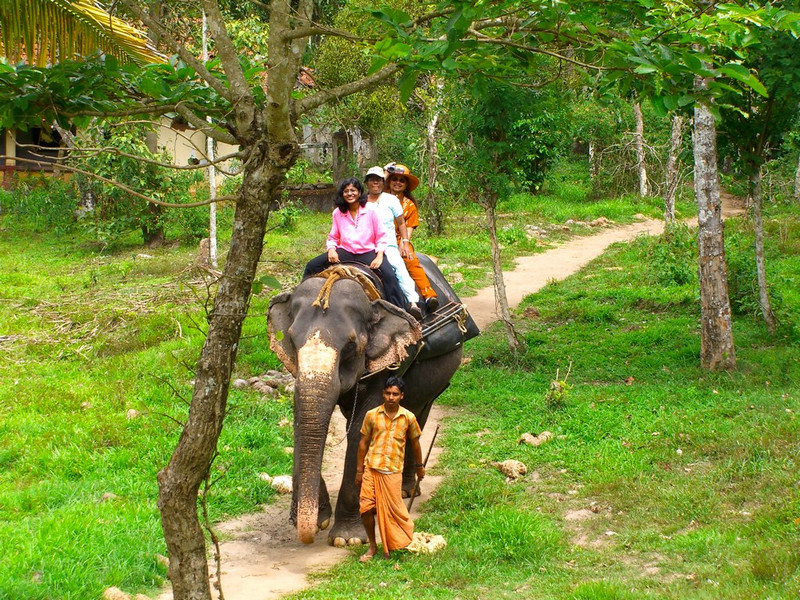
382 491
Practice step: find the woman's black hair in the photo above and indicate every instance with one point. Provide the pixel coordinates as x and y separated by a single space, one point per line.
340 202
395 381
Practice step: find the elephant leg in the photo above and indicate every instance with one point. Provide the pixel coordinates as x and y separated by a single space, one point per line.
325 511
348 529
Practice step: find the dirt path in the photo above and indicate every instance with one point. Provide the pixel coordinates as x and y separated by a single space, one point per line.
531 273
263 560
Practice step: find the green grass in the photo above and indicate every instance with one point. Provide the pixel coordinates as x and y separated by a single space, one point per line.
689 479
91 334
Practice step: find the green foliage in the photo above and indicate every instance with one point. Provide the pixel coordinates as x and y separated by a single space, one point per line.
117 211
44 204
303 171
250 35
756 123
558 393
285 218
339 61
546 133
502 137
673 257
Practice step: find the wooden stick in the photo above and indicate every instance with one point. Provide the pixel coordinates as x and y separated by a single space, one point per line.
424 464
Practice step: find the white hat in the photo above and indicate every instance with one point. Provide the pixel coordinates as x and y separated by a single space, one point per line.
376 171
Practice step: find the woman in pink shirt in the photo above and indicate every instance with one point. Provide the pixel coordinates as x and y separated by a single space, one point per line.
358 236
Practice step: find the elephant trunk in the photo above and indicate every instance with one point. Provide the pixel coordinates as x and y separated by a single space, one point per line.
315 396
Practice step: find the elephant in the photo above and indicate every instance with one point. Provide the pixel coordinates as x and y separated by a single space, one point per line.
341 343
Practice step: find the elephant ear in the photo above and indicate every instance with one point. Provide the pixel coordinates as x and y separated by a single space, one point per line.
279 318
393 336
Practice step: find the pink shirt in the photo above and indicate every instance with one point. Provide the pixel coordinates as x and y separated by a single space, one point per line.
362 234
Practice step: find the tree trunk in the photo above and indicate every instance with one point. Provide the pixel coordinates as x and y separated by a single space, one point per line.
673 168
716 345
180 480
758 224
435 212
592 160
342 154
267 135
153 229
499 285
797 181
638 145
85 190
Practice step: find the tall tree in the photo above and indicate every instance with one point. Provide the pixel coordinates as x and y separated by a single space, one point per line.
797 180
673 168
638 145
755 126
716 328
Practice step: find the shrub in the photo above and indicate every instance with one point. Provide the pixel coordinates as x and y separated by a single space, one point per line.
673 256
285 218
43 203
743 277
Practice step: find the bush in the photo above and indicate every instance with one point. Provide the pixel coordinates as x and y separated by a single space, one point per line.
673 257
743 277
510 235
42 203
285 218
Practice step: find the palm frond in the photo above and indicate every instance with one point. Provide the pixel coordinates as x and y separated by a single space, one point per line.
47 31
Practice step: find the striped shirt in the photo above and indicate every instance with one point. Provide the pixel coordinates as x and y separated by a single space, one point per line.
388 438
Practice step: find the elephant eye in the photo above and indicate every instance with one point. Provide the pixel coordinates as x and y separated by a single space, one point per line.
349 349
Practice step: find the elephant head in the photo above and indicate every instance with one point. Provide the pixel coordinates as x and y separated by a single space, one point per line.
328 350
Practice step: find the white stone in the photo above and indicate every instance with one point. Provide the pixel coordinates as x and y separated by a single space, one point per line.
282 484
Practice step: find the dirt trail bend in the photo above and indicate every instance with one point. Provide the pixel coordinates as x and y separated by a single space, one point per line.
532 273
262 558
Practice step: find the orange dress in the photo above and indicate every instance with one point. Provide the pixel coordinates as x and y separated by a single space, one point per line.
411 216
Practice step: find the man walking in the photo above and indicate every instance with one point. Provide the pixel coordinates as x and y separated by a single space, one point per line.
380 470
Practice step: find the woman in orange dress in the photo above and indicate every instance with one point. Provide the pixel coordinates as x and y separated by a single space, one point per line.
401 182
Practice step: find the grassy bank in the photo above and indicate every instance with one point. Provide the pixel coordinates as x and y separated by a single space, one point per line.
661 480
96 375
89 334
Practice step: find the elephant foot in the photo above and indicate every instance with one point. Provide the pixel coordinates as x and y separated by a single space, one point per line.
413 490
324 517
347 534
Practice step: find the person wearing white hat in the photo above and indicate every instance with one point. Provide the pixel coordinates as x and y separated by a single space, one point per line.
400 182
391 215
